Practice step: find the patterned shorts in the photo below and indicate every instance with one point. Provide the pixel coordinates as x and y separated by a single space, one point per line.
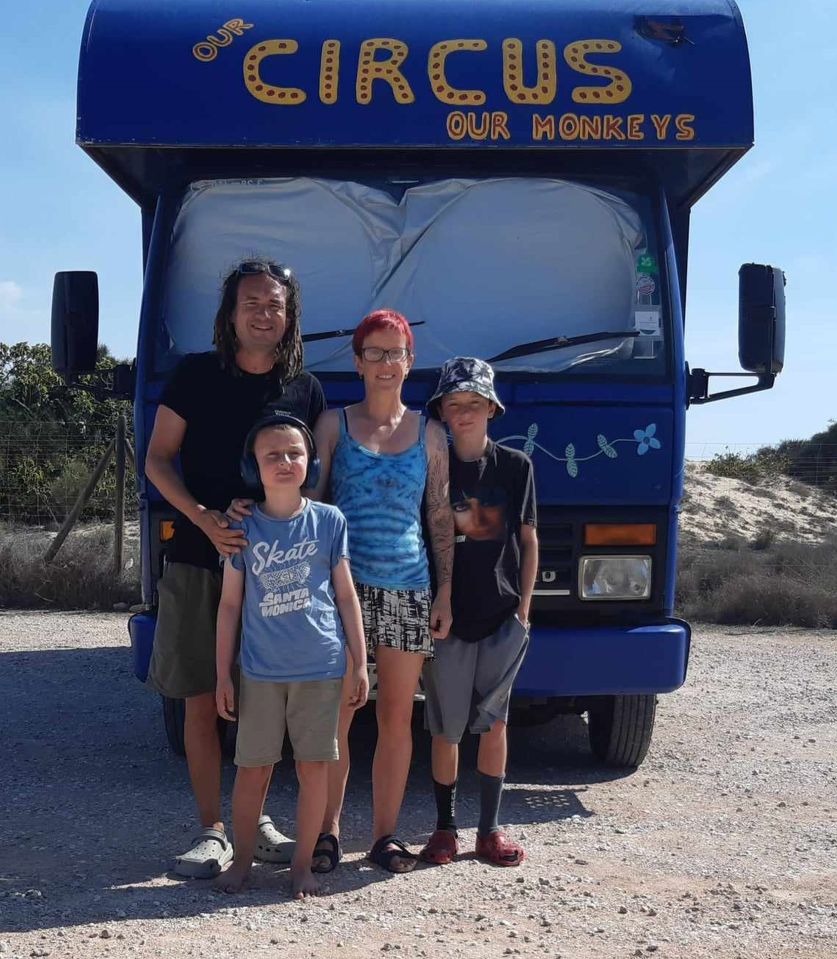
399 618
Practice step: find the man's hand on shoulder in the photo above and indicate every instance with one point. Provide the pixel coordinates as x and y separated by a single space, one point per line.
239 508
216 527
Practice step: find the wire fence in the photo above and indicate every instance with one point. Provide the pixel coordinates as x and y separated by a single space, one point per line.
805 463
44 472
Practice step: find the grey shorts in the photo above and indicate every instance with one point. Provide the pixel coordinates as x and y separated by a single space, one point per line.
183 656
398 618
308 711
468 685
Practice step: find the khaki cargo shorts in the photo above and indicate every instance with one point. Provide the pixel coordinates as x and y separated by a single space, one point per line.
309 711
183 656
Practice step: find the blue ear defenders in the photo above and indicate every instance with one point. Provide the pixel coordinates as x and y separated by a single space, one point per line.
250 468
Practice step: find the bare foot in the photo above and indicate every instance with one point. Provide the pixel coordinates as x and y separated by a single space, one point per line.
304 883
233 880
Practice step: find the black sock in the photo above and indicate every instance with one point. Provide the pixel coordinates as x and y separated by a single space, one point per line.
491 789
445 806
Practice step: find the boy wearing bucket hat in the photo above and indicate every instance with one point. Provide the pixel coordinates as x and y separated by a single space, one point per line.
468 685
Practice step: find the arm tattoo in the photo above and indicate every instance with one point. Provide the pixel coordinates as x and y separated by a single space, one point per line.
439 512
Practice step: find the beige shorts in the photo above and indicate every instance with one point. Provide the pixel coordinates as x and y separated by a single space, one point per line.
183 656
309 711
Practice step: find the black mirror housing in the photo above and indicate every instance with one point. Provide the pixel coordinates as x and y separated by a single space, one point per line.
761 318
75 322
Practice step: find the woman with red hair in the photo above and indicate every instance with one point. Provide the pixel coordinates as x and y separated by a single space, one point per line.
380 460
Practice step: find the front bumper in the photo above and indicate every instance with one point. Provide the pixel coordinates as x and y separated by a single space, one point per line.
605 660
576 661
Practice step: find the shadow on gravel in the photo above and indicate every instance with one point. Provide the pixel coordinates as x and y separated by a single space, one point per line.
95 805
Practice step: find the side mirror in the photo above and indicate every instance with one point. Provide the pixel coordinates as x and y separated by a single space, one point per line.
761 318
75 322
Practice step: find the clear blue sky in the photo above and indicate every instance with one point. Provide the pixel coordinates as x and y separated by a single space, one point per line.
58 211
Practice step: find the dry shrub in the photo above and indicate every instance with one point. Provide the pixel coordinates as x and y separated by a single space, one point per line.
80 577
774 584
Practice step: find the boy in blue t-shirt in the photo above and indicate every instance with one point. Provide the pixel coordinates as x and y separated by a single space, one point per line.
291 590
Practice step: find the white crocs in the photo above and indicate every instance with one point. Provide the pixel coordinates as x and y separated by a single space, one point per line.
209 853
271 845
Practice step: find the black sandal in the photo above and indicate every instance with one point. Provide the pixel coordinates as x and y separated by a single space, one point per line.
332 852
383 857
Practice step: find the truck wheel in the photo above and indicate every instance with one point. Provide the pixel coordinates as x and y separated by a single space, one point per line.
620 728
174 715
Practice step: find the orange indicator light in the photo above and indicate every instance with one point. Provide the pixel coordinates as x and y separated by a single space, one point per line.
620 534
166 530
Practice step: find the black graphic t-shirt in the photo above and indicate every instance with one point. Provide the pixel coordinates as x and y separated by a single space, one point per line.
219 407
492 497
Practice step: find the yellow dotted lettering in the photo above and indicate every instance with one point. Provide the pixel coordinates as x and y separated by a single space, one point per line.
266 92
500 126
568 126
517 91
204 51
635 131
238 26
478 130
613 128
369 69
436 62
329 71
589 128
224 38
457 125
684 122
543 128
661 124
619 86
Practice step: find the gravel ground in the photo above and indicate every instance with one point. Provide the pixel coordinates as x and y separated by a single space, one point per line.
723 843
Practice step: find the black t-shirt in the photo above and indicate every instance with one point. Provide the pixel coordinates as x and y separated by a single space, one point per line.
492 497
219 407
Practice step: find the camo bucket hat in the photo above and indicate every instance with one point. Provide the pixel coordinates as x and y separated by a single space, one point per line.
465 374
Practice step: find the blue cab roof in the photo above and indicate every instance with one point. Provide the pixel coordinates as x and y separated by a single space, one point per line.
166 84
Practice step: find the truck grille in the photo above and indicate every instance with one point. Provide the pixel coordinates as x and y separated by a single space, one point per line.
556 570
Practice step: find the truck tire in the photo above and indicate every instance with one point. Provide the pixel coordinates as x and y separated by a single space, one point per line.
620 728
174 715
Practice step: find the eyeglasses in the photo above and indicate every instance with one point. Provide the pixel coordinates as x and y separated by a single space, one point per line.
255 268
374 354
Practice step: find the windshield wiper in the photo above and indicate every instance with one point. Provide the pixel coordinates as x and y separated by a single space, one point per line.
333 334
559 343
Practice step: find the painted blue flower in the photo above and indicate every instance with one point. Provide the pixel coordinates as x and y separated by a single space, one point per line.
646 439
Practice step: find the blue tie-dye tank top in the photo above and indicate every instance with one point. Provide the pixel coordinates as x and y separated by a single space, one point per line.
380 495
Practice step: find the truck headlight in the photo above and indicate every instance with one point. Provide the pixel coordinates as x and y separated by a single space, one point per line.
615 577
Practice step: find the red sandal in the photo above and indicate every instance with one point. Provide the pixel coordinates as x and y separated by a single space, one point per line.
499 850
441 847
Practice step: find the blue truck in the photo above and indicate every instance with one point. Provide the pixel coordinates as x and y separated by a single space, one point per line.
517 178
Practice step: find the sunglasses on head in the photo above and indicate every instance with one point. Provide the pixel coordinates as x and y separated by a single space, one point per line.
255 268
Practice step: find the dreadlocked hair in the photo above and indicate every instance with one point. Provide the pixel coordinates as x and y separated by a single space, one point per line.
289 352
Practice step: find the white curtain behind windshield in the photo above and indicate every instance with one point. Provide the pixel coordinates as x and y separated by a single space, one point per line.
486 265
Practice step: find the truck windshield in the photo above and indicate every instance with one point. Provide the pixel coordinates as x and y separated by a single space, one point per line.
542 275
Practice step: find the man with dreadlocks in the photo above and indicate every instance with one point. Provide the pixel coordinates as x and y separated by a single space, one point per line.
205 412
